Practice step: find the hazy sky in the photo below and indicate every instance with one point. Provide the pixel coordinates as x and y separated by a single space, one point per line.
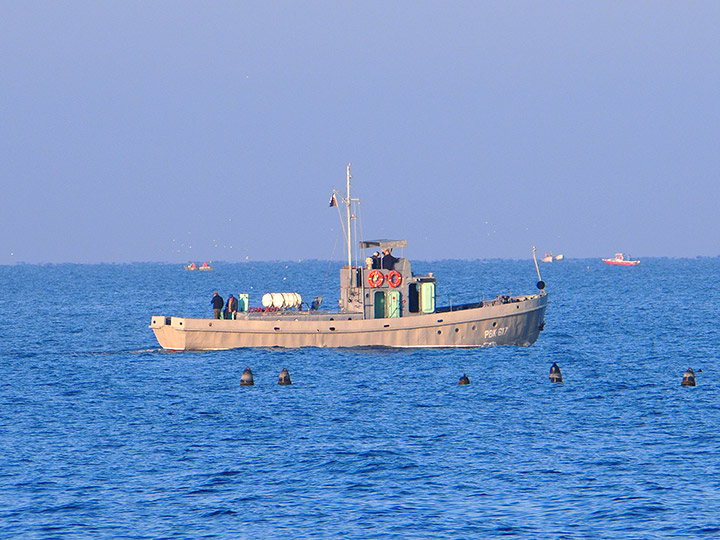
192 131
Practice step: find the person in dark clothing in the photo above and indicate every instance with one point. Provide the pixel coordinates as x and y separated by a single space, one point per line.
376 260
231 307
388 261
217 304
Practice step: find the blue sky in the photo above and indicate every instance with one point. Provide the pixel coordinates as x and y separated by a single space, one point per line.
191 131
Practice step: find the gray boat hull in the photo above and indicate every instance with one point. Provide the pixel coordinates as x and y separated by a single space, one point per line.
515 322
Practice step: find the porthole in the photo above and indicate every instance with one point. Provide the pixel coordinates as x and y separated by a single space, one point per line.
439 332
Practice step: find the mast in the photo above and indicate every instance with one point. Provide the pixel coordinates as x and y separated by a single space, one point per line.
348 204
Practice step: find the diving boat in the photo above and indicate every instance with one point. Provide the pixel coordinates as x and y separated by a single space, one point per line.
382 304
622 260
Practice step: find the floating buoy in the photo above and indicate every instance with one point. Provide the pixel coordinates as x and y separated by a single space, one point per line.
284 377
688 377
555 374
247 378
464 379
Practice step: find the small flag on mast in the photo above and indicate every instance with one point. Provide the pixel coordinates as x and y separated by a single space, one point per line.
333 200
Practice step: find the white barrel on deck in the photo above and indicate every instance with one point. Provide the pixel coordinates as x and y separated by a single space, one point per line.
282 300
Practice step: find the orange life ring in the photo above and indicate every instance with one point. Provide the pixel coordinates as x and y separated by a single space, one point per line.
394 278
376 278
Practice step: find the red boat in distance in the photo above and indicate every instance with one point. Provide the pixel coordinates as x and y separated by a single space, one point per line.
621 260
203 266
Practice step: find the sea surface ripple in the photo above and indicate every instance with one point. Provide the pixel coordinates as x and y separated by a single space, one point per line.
104 435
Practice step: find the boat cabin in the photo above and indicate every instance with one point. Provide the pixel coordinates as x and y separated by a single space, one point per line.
385 287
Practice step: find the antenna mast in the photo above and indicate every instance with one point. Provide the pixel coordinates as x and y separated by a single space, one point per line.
348 203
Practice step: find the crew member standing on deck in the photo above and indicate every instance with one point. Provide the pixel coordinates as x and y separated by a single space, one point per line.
231 307
388 261
217 304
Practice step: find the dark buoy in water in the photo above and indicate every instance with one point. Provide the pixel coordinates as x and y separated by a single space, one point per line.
284 377
555 374
688 377
464 379
247 378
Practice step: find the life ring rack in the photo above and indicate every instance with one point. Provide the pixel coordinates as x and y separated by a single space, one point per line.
394 278
376 278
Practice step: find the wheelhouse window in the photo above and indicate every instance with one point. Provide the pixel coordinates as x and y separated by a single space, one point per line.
413 298
428 297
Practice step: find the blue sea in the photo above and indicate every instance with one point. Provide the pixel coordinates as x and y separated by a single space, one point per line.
104 435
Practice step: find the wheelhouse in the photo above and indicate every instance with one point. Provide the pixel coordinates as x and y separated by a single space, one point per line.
385 286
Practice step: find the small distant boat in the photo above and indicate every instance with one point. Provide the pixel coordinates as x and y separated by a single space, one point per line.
622 260
203 266
549 257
